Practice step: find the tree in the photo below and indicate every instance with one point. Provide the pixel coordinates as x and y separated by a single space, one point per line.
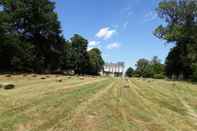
158 67
79 54
31 40
33 22
180 28
150 69
141 66
194 75
67 58
129 72
177 64
96 61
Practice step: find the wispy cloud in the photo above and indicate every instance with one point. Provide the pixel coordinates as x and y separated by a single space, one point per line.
125 25
150 16
127 11
114 45
94 44
105 33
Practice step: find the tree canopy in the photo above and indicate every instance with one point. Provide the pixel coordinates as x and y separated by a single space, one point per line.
149 68
180 28
96 61
130 72
31 40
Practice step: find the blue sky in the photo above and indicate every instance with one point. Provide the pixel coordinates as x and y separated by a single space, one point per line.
122 29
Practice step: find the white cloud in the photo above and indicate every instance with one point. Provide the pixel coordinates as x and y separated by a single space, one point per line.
105 33
90 48
150 16
114 45
94 43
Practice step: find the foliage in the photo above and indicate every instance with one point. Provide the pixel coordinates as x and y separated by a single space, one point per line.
177 64
159 76
32 41
180 28
149 69
67 59
31 31
141 66
96 61
80 55
194 74
130 72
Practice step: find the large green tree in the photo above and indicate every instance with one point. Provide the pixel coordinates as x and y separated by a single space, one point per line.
79 54
67 58
32 28
31 40
130 72
150 68
96 61
180 28
141 66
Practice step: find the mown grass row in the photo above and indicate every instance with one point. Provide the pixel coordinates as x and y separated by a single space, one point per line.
40 111
100 105
152 105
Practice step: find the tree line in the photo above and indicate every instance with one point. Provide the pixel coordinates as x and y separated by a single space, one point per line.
147 69
180 29
31 40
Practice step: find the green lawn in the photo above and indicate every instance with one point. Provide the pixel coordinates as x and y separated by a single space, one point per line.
96 104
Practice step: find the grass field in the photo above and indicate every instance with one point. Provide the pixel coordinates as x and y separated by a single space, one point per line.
96 104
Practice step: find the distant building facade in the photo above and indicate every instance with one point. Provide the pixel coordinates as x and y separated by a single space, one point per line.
114 69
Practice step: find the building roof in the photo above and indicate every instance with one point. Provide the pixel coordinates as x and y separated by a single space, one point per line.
114 67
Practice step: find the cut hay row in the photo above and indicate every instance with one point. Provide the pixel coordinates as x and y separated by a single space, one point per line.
29 111
25 87
54 114
42 91
80 110
100 114
134 108
29 81
94 104
168 104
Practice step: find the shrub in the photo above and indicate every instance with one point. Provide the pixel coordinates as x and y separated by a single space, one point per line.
136 75
159 76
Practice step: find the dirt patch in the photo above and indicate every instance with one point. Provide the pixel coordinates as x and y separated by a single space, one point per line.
24 127
87 123
8 76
